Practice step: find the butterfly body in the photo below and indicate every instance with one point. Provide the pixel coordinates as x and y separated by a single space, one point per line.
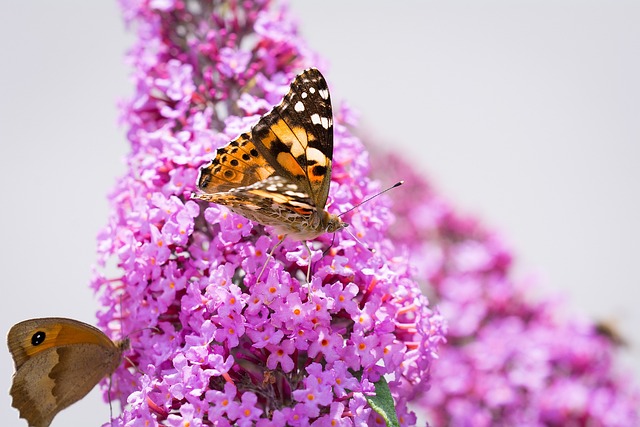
278 174
279 204
58 361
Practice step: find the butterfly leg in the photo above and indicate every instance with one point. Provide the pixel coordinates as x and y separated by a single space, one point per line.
270 255
109 397
309 265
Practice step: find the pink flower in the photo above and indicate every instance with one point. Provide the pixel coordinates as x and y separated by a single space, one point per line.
229 349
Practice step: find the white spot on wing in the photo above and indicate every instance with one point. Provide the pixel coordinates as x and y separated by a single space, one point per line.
324 93
296 194
299 106
325 123
315 119
304 95
312 89
301 204
315 155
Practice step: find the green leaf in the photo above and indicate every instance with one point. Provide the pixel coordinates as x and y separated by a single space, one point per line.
382 403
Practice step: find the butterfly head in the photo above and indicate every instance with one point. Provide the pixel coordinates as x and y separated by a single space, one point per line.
322 222
333 223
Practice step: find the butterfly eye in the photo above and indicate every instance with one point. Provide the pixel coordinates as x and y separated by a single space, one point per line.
38 338
205 178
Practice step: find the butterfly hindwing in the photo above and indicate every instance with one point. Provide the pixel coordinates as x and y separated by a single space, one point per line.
237 164
273 201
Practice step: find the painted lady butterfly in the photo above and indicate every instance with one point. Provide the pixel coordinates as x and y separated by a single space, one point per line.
278 174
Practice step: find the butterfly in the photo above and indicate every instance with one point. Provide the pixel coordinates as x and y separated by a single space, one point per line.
58 361
279 172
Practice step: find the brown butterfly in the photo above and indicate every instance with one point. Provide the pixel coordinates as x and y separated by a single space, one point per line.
58 361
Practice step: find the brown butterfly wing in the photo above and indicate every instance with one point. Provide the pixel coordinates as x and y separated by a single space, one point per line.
69 359
40 392
31 390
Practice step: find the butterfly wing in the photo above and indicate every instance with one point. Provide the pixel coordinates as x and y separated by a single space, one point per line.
294 141
32 390
296 137
53 332
40 392
275 202
237 164
58 361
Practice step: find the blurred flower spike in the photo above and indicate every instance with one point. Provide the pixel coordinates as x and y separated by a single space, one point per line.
230 350
511 359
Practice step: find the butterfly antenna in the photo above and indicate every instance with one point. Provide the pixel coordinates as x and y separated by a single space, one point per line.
397 184
124 337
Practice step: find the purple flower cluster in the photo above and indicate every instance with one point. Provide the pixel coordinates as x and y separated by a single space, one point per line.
211 345
510 359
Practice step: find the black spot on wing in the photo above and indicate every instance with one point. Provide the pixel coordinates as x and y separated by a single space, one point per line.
302 161
319 170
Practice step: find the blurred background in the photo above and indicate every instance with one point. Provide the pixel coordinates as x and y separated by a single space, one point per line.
525 114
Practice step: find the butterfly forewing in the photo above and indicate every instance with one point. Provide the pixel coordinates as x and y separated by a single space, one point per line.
296 137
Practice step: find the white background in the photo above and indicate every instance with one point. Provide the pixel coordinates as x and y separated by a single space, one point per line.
523 113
